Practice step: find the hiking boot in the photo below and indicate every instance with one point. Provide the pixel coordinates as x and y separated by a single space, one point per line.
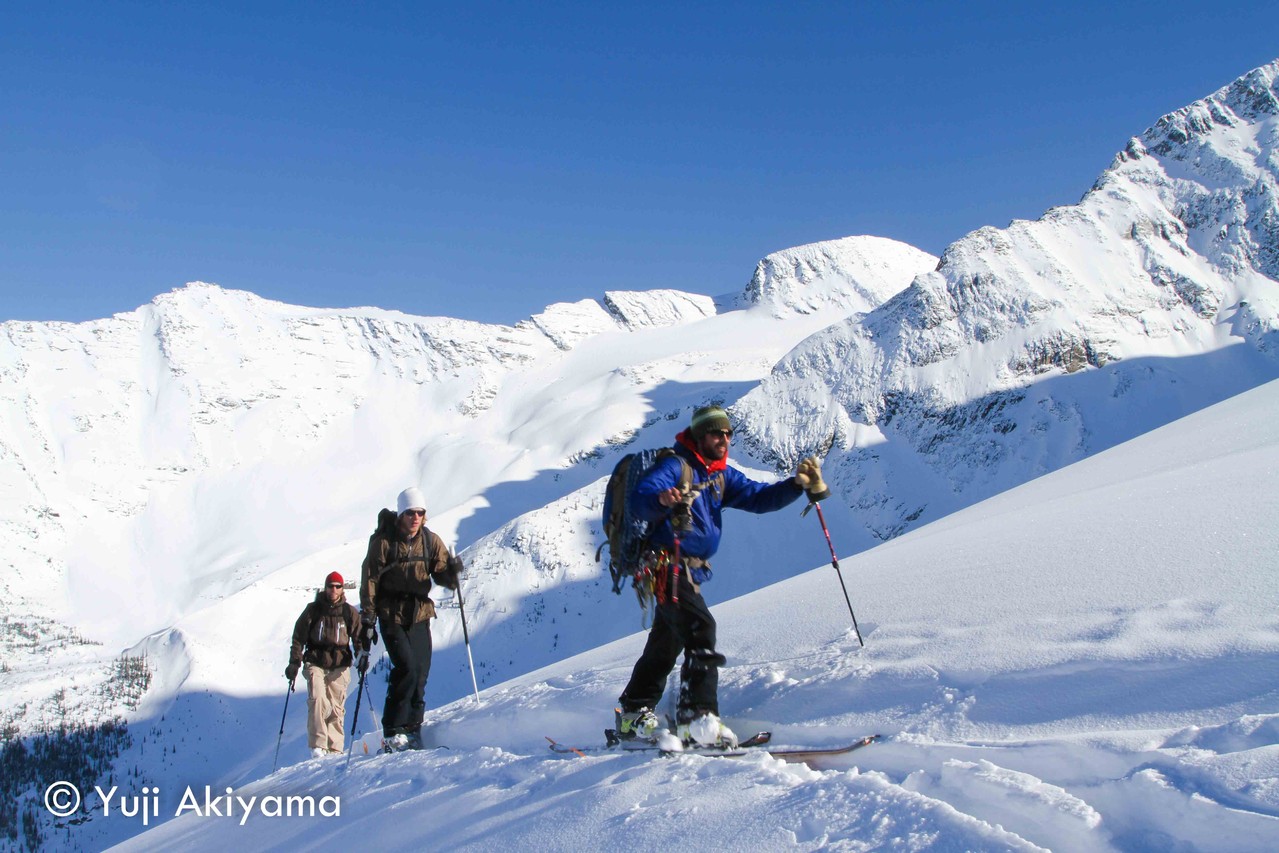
632 724
707 730
396 743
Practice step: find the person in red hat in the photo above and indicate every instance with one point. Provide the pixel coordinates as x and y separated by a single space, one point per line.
322 640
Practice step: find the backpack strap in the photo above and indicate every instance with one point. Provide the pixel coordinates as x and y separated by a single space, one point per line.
408 558
685 470
715 484
685 474
312 613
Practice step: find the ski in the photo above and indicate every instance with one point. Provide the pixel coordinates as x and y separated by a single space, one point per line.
745 747
613 743
807 754
612 738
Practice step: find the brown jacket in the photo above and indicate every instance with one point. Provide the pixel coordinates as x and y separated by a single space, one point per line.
326 630
395 579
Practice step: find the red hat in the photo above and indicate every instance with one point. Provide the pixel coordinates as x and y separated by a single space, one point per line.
333 577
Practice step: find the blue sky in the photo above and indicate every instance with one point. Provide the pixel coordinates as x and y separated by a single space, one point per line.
483 160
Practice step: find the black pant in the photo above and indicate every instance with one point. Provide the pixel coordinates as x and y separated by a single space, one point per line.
410 652
688 627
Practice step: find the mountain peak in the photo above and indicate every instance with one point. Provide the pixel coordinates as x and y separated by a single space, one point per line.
1248 100
204 295
853 274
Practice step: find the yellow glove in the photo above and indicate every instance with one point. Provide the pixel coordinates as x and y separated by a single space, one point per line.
809 478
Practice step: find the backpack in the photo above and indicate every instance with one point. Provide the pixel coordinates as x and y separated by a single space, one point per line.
386 519
626 534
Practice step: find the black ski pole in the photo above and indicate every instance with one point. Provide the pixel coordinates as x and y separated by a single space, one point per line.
355 719
275 764
362 665
834 561
466 638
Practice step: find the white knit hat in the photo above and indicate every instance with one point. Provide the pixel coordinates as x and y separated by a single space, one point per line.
410 498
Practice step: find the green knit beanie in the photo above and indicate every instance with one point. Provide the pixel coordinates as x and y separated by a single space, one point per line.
706 419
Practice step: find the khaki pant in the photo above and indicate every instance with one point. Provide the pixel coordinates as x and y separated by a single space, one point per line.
326 706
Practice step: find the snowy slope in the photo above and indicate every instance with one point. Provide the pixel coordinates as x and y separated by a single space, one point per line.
1087 662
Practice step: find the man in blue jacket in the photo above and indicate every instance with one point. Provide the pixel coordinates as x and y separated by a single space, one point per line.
682 497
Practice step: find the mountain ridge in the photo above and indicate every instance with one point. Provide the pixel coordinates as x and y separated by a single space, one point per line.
1133 273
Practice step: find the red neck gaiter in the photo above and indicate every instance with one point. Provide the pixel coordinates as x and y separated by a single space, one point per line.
686 441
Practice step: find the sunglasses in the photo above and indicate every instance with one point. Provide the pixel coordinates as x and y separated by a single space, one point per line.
722 433
334 585
420 513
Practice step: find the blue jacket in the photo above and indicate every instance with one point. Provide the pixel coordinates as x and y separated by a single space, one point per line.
702 539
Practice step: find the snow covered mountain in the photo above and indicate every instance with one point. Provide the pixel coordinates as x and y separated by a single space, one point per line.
1034 346
176 480
856 273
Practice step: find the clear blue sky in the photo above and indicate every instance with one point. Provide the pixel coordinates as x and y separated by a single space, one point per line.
482 160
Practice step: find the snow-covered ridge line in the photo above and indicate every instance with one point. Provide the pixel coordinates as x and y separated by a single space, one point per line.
1035 345
1248 100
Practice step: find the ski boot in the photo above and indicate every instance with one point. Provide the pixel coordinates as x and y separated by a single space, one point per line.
706 730
632 724
396 743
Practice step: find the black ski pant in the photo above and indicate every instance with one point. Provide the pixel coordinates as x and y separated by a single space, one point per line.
410 652
688 627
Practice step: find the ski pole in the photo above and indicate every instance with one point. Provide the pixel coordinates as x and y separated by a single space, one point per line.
466 637
377 724
834 561
362 665
355 719
680 521
276 763
675 573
